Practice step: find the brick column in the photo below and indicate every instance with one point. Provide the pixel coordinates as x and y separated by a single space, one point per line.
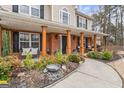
68 42
81 43
0 41
44 29
95 43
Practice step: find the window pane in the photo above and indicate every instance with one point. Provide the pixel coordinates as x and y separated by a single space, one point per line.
35 37
35 44
84 23
24 37
65 18
34 12
24 45
24 9
80 22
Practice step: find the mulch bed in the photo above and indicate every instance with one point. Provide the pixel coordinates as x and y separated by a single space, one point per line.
22 78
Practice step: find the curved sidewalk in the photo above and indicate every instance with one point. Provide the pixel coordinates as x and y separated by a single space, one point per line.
91 74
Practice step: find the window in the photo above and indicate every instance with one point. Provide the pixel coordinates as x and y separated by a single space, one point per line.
24 9
35 38
35 10
24 40
27 40
32 10
82 22
64 16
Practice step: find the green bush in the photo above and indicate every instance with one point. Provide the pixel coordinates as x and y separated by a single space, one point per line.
74 58
93 54
106 55
5 69
43 62
59 57
39 66
7 64
28 62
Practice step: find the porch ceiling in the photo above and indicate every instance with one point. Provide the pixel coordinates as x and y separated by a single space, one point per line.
22 22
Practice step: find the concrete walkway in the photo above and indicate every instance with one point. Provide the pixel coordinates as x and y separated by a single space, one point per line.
91 74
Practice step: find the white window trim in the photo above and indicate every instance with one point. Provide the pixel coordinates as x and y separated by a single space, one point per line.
30 6
61 16
29 39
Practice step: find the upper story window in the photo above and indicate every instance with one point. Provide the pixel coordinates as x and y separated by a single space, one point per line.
24 9
82 22
64 16
32 10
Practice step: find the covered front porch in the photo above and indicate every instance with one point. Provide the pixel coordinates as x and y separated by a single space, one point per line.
47 36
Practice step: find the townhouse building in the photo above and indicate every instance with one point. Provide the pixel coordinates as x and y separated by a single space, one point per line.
45 27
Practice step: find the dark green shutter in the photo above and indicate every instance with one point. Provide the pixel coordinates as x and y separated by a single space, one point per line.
42 11
86 23
77 21
15 8
40 42
15 41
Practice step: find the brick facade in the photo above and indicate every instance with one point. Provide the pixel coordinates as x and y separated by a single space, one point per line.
53 42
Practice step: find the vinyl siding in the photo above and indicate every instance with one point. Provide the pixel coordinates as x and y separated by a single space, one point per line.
71 10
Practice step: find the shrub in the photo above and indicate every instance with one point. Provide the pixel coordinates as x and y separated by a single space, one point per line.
106 55
28 62
13 60
5 69
7 64
39 66
43 62
93 54
59 57
74 58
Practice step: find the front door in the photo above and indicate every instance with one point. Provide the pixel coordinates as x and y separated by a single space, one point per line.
64 43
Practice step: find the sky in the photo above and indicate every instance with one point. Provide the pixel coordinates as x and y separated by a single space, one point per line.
88 9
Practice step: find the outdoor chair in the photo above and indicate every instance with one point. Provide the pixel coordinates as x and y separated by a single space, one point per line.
35 52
